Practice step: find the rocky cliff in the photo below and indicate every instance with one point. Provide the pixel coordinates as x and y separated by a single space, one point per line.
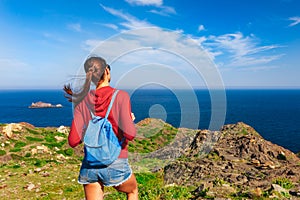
240 163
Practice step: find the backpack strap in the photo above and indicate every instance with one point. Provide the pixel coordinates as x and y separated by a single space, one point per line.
111 103
109 108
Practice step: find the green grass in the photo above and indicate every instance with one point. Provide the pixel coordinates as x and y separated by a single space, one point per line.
20 144
244 132
51 145
66 152
34 139
284 182
51 141
34 132
62 183
154 139
15 150
2 152
151 187
219 182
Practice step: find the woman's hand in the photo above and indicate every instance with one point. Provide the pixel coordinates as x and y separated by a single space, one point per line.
132 116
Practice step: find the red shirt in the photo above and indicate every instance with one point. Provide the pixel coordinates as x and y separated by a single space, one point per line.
119 116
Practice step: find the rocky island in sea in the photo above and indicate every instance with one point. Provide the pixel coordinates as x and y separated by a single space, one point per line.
41 104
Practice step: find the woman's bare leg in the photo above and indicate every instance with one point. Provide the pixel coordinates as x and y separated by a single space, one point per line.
130 188
94 191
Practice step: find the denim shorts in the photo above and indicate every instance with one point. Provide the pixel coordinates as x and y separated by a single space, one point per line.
113 175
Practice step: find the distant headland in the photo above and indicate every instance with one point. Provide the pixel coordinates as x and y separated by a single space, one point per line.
41 104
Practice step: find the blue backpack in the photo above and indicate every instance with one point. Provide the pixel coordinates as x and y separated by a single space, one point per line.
101 145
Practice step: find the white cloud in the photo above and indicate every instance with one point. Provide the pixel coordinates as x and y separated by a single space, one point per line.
163 10
74 27
240 50
296 20
201 28
155 46
130 22
259 68
234 49
112 26
159 10
253 60
145 2
239 45
90 44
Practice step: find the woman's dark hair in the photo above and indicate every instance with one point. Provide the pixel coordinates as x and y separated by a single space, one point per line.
93 74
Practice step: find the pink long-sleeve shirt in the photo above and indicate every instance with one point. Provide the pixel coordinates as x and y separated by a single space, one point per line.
119 116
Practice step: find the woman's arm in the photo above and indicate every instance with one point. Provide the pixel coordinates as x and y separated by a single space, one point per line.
78 127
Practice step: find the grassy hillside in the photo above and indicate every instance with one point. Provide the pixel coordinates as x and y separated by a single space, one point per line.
37 163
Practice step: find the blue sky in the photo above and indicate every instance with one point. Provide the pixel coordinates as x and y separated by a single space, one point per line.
249 43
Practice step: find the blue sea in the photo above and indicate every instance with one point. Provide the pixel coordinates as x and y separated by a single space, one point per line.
275 114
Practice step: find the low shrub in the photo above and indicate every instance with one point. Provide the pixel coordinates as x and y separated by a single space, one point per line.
2 152
284 182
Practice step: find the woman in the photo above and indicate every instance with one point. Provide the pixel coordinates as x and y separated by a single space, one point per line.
118 174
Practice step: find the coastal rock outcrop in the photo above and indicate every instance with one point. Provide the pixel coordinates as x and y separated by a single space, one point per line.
63 129
241 161
9 129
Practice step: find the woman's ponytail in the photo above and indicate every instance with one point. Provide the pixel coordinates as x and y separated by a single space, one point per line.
76 98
